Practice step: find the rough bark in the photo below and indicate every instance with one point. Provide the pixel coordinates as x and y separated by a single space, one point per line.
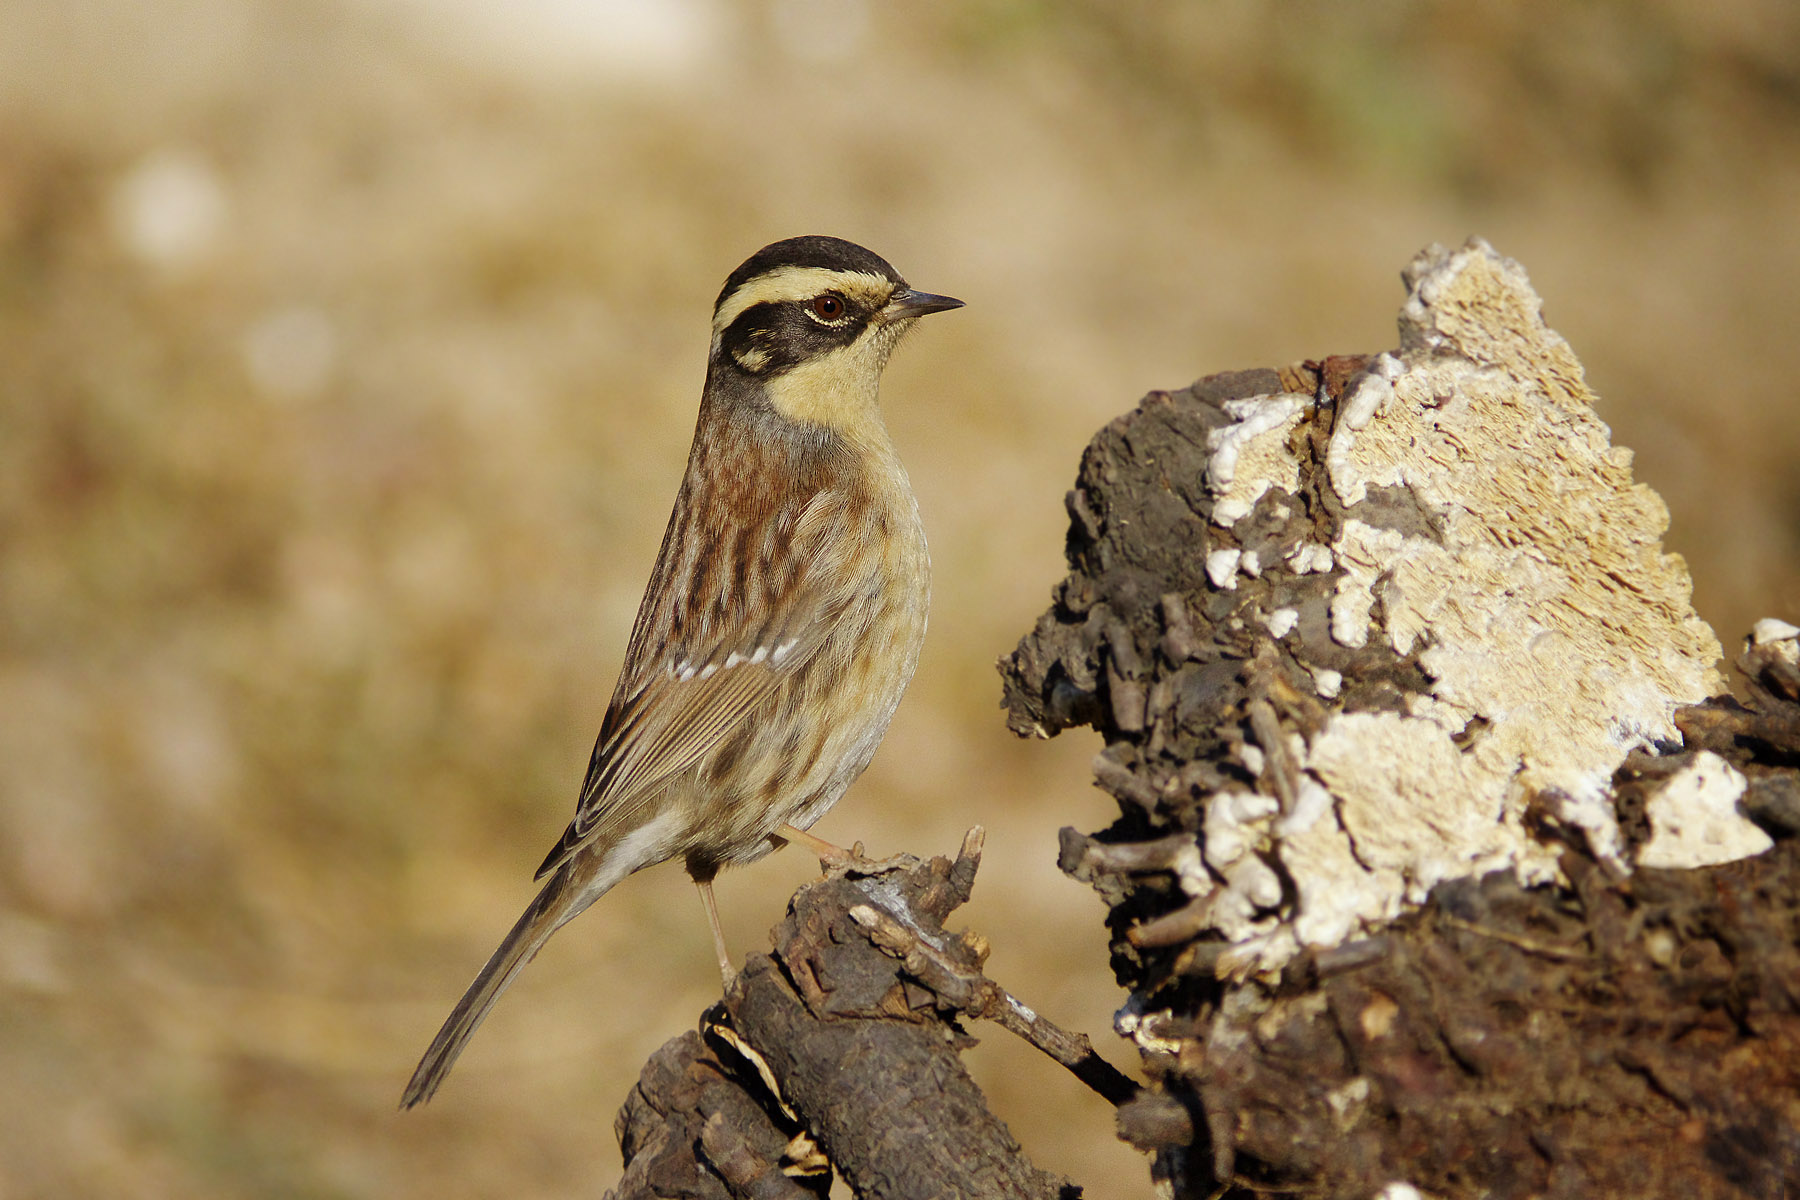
1415 885
840 1051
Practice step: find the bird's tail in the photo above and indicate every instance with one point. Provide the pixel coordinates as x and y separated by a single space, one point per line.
575 885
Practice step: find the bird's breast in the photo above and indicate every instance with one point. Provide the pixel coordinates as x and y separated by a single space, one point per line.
876 643
905 564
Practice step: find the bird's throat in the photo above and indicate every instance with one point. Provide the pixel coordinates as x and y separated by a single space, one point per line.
839 391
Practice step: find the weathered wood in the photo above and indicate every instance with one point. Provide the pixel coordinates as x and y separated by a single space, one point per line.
846 1038
692 1128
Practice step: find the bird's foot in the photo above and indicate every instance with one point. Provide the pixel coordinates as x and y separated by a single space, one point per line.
833 858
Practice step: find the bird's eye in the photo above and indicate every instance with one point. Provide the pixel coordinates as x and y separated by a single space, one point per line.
828 307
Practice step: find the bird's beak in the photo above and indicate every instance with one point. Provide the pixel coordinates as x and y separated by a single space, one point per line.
906 304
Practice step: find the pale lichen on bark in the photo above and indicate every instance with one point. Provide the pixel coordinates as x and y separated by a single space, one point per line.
1528 579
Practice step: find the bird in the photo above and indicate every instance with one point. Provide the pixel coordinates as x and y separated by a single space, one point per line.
781 622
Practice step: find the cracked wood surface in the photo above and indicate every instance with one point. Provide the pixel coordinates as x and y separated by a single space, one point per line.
839 1051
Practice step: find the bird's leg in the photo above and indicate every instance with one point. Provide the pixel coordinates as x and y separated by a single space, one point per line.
726 972
837 856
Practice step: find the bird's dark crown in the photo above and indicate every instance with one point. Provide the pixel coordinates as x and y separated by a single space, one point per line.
812 250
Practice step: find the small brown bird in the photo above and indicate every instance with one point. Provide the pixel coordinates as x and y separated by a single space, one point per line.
782 620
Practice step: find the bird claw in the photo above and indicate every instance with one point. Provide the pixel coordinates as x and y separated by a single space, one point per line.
837 861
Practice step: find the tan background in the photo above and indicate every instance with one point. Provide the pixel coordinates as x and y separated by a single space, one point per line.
348 356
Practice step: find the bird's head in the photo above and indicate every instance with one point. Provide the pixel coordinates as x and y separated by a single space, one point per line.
808 324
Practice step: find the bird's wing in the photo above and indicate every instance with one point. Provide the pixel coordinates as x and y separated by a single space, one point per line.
679 699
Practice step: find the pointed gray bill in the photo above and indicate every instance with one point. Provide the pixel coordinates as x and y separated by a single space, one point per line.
909 303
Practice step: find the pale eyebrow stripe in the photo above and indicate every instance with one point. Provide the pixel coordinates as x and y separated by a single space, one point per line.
797 283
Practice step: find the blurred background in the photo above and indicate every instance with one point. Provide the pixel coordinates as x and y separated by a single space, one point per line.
349 352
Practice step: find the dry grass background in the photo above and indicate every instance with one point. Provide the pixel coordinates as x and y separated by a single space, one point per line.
348 356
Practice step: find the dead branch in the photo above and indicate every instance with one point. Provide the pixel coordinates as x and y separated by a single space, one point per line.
844 1042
